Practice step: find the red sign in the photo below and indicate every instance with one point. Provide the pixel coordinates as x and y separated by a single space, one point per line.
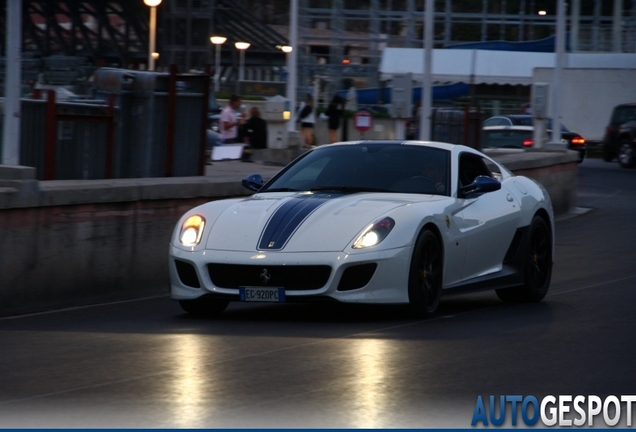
362 120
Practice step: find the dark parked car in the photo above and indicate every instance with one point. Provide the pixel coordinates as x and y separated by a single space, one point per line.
620 136
517 130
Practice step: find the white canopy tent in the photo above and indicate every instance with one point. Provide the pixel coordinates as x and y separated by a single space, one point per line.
489 66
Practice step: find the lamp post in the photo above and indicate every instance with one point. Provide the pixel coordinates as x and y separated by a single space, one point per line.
242 46
153 31
217 41
287 113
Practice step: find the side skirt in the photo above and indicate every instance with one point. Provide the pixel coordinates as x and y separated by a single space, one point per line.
511 274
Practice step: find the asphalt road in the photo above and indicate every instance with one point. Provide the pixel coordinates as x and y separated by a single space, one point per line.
147 364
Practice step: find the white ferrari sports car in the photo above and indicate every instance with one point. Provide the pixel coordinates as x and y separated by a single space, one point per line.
394 222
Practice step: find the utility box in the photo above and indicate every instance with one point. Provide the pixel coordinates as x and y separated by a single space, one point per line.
540 100
401 96
274 114
274 108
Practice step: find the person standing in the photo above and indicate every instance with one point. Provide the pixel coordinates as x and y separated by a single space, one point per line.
335 110
230 120
307 117
255 133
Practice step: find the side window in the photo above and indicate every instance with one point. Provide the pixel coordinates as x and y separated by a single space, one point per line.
470 167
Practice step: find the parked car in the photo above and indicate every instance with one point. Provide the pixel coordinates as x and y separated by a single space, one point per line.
521 133
620 136
369 222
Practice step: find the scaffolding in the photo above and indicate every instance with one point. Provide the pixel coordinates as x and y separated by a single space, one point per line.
341 42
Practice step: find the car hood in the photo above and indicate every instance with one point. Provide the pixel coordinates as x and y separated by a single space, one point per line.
304 222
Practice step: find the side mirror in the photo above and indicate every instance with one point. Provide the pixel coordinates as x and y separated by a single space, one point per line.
481 185
253 182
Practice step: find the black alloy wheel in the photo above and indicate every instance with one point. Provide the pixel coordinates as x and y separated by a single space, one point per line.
537 270
626 153
425 276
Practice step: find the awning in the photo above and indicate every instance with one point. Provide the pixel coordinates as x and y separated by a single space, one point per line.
489 66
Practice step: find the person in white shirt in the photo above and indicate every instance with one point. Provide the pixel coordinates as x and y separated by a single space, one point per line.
230 120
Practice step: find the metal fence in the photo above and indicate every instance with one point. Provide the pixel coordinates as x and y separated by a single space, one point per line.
161 123
457 126
141 124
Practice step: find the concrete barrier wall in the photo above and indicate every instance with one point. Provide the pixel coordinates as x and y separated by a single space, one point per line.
66 243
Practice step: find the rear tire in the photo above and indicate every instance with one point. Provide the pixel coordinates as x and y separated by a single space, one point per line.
425 275
204 307
626 153
537 270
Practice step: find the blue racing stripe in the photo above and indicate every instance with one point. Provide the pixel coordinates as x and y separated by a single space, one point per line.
287 218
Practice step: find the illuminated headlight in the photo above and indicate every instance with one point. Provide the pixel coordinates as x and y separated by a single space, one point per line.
374 234
192 230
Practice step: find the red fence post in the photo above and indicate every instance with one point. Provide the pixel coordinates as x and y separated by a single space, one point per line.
110 144
51 132
204 125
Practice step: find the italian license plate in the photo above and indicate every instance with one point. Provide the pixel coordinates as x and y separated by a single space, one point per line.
262 294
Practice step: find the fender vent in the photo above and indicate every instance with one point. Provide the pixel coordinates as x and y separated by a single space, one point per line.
514 246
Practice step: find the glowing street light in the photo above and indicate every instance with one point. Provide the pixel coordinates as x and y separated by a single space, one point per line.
287 50
217 41
152 55
242 46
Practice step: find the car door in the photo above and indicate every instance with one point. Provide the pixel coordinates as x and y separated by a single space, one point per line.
488 221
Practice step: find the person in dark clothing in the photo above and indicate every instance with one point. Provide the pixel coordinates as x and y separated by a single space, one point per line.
335 110
255 133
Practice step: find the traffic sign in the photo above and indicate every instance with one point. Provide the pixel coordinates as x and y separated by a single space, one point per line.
362 120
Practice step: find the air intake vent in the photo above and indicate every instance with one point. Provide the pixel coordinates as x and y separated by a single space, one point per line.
187 274
356 276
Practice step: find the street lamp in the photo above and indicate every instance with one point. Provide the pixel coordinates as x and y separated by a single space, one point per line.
217 41
242 46
287 50
153 31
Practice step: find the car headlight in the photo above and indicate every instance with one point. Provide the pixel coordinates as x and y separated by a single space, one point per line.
374 233
192 230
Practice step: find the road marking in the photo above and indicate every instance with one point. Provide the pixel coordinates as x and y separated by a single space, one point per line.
81 307
593 286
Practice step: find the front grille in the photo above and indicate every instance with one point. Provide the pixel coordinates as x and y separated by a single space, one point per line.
187 274
290 277
356 276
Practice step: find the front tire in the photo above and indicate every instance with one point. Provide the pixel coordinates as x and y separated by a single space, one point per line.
537 266
626 154
204 306
425 275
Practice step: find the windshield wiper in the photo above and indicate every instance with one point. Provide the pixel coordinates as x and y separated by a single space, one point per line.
347 189
281 189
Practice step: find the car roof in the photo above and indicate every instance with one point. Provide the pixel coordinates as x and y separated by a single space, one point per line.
435 144
508 127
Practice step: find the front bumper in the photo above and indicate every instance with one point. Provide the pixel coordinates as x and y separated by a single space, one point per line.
388 283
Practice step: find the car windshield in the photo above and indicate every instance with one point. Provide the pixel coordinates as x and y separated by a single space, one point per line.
624 114
519 120
367 167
